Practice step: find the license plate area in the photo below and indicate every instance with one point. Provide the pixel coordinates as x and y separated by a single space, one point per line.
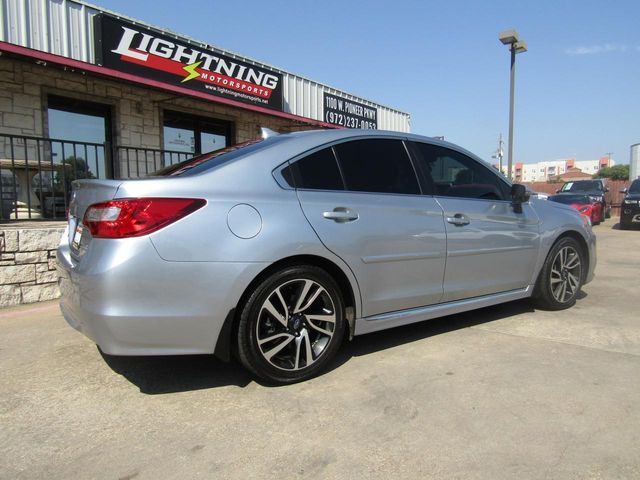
77 237
76 230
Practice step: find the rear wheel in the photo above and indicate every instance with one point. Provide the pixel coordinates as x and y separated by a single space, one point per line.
292 325
561 277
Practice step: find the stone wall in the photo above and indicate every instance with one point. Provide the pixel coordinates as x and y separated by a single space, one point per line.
28 263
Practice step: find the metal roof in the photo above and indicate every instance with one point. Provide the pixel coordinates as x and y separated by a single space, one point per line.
65 28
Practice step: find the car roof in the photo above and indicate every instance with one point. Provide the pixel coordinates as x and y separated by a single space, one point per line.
331 135
320 137
276 149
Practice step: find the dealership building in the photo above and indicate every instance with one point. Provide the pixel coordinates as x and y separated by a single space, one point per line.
87 93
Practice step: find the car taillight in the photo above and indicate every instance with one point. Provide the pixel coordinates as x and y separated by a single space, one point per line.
133 217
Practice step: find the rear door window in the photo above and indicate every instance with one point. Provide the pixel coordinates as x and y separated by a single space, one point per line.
377 165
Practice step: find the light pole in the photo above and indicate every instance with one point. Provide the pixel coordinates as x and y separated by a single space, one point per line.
510 37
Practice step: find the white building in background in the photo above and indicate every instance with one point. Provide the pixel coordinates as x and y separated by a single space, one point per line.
543 171
634 163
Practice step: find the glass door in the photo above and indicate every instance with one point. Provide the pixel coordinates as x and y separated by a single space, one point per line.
187 135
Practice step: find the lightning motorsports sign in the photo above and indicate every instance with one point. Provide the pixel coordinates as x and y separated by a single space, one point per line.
132 49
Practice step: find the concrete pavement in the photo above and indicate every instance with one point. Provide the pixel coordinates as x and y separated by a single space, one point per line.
505 392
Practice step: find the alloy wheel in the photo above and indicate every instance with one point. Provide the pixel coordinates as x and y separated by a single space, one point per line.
295 324
566 271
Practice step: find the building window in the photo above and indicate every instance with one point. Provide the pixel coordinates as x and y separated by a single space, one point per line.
184 133
80 132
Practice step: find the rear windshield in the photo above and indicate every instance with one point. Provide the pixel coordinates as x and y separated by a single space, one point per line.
583 186
210 160
635 187
569 199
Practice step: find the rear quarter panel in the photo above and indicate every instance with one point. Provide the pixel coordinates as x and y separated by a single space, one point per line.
205 235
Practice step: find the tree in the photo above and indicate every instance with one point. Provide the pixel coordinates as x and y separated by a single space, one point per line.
73 168
617 172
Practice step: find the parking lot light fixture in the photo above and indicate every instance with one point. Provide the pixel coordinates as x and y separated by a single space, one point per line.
511 38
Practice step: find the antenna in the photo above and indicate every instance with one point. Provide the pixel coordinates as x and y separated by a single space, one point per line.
267 133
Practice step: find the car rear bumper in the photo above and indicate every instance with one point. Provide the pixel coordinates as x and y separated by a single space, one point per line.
131 302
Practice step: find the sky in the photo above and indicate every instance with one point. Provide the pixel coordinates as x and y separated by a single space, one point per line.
577 86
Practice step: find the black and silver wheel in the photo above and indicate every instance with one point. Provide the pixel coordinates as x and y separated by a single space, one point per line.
292 325
561 277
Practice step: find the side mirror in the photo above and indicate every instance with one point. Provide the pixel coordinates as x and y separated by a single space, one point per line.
624 190
519 195
606 189
558 191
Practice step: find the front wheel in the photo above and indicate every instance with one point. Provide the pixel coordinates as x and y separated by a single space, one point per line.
292 325
561 277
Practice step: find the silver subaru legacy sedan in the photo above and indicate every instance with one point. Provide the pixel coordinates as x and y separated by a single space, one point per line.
278 249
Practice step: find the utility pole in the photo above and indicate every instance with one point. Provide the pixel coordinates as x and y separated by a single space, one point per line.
499 153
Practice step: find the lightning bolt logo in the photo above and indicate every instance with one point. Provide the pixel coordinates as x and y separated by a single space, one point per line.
191 70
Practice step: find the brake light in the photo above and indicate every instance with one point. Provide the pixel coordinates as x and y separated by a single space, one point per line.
134 217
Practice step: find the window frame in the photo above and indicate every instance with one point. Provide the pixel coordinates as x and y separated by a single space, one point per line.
283 183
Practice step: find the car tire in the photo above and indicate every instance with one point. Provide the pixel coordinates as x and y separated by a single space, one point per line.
607 212
291 325
561 276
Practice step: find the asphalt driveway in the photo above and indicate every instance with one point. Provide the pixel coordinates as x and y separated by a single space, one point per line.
502 393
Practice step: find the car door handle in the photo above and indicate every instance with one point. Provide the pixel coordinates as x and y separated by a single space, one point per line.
459 219
341 215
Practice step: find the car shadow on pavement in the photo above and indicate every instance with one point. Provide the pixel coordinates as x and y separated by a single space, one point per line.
180 373
616 226
375 342
177 373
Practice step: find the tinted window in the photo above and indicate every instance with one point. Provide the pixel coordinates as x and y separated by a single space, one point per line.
569 199
635 187
377 165
582 186
318 171
456 175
